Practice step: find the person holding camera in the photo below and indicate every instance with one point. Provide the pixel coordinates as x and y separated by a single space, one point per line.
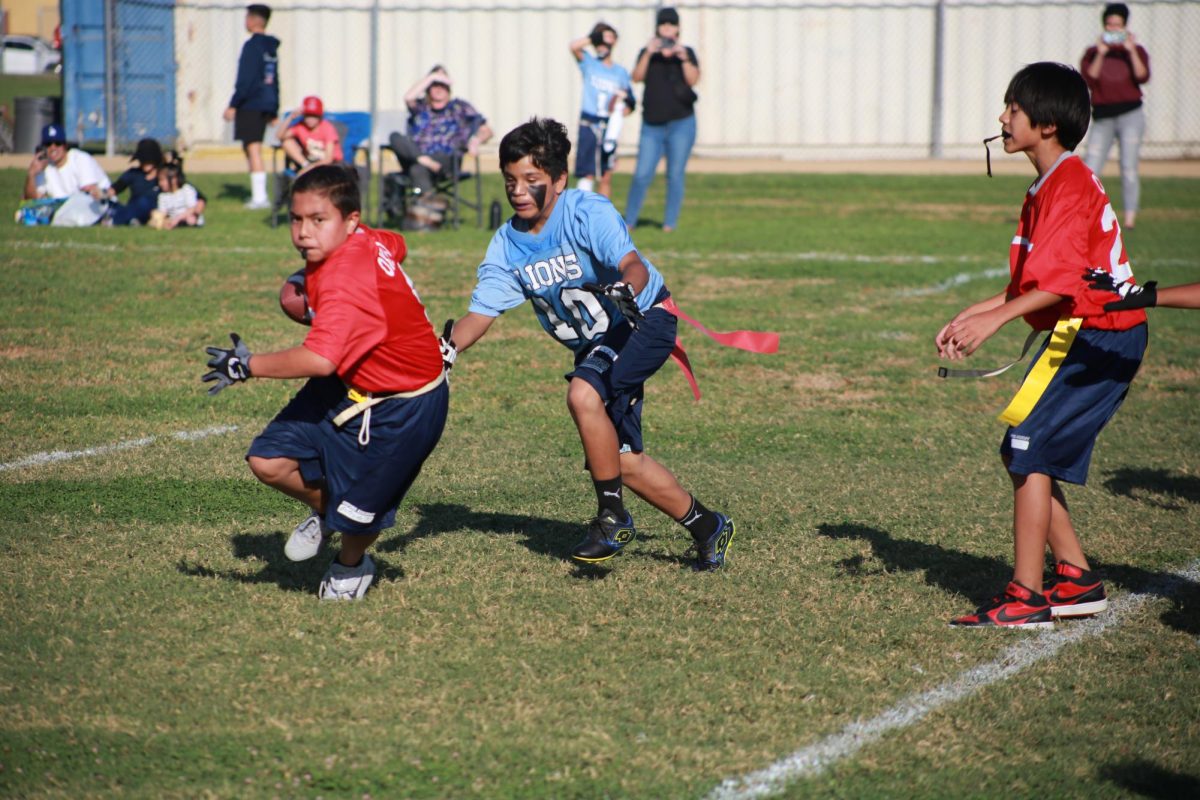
1115 68
669 70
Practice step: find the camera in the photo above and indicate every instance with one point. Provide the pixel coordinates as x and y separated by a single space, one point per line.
1113 37
665 43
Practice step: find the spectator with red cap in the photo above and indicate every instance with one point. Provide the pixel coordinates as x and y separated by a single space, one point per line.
314 140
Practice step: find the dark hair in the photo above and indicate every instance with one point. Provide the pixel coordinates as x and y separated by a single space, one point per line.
597 34
173 171
1053 94
337 182
1120 9
544 140
259 10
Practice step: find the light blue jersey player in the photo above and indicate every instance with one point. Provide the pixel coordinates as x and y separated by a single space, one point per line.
569 253
606 98
583 242
604 83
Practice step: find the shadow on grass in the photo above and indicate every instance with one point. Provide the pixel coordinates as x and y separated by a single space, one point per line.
1142 484
547 537
267 549
979 577
234 191
1147 779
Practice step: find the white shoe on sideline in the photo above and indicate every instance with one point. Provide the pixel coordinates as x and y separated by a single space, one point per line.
257 205
307 538
347 583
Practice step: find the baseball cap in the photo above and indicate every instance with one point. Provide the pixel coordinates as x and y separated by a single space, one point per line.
312 106
667 16
53 134
148 152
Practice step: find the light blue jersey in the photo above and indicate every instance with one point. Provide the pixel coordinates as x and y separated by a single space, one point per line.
601 82
583 242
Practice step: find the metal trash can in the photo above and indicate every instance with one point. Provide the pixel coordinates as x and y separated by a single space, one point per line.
33 114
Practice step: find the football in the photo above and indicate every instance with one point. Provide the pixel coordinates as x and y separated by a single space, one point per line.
293 300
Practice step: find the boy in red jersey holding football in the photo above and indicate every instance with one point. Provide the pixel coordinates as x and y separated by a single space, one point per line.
351 442
1084 368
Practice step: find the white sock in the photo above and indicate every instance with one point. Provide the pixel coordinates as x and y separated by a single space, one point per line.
585 184
258 187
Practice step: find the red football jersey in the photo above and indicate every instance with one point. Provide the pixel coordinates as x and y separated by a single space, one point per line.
1067 227
367 317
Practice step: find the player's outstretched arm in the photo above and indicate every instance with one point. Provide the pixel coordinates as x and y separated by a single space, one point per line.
1184 296
469 330
1147 295
295 362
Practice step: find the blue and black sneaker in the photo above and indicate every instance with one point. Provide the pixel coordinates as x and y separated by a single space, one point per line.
606 535
710 554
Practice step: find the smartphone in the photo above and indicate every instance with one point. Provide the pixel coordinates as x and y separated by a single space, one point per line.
1113 37
665 43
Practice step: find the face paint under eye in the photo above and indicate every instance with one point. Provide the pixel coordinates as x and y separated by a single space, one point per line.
538 193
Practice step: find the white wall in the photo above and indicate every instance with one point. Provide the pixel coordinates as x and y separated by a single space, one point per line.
821 79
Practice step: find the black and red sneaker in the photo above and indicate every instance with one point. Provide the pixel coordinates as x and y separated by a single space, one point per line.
1075 592
1016 607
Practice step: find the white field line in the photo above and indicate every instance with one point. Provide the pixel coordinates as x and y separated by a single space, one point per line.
667 256
42 459
817 757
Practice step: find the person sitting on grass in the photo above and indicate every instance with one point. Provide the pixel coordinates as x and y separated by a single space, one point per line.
142 183
180 205
569 252
353 439
58 171
1084 368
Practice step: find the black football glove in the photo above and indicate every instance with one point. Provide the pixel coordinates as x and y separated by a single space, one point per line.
622 297
449 351
228 366
1132 295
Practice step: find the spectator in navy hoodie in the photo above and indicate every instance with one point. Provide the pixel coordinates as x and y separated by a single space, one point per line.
255 101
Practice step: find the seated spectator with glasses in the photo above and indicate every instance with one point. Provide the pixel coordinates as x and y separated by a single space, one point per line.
440 130
59 171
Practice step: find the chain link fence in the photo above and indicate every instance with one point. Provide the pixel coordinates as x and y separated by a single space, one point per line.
820 79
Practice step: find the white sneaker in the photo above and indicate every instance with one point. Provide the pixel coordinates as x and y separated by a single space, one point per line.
257 205
347 583
306 540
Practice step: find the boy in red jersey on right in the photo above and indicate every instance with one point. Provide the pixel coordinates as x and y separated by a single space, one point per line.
1083 369
353 439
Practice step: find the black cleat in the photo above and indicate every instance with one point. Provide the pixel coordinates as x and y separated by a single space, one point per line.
710 554
606 535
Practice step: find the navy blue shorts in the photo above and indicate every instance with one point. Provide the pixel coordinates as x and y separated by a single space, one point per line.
1057 437
589 155
619 365
364 484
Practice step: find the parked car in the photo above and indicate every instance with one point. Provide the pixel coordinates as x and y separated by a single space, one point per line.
28 55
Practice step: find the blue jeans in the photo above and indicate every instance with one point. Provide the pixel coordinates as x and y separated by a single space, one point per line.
675 138
138 208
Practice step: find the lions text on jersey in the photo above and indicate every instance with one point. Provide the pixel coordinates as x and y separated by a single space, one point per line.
583 242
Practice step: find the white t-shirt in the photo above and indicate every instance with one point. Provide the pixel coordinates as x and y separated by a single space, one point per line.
178 202
79 170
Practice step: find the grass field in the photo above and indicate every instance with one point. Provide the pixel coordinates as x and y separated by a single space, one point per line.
154 641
